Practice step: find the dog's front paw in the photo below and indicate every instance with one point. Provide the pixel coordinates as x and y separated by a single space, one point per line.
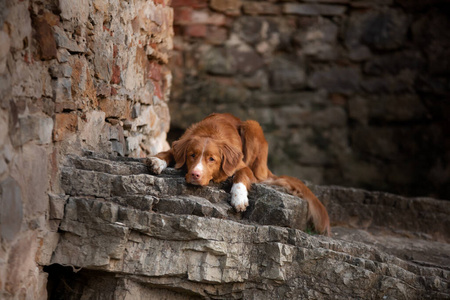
155 165
239 197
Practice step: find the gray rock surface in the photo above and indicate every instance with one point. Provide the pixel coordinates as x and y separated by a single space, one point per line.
138 236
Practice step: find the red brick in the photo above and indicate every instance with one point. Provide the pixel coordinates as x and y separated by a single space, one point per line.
182 15
198 30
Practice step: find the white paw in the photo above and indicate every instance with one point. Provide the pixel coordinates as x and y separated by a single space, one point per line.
156 165
239 196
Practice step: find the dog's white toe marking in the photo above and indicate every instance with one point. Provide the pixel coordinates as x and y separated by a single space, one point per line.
239 196
156 165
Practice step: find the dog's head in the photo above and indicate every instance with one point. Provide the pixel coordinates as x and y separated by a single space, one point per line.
206 159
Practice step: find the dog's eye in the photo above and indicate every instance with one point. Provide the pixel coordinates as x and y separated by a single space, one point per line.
193 155
211 159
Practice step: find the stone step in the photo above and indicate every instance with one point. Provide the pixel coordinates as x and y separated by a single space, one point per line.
157 232
124 182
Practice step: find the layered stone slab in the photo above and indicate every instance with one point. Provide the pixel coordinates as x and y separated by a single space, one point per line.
141 235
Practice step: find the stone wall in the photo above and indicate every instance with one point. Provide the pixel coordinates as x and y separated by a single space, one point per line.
348 92
89 74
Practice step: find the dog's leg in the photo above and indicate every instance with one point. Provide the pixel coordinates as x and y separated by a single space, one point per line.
242 182
255 149
159 162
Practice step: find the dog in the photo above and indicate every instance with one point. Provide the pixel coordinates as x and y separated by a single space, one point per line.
222 146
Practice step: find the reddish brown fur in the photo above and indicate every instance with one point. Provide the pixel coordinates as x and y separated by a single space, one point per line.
229 147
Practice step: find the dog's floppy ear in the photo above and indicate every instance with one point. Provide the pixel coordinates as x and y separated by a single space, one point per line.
179 148
231 156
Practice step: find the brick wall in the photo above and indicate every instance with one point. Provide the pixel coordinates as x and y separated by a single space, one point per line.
349 92
88 74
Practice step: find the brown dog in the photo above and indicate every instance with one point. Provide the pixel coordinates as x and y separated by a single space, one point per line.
221 146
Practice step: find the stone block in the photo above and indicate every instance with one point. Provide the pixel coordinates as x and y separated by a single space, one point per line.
82 82
383 29
429 33
271 209
402 83
251 29
248 61
208 18
5 44
57 203
286 74
358 109
401 108
395 63
103 61
118 147
20 27
11 213
63 41
94 132
190 3
45 39
28 168
228 7
20 263
359 53
62 55
136 111
45 128
319 39
260 8
343 80
314 9
62 89
115 108
65 125
61 70
216 35
32 127
75 11
218 61
101 5
62 106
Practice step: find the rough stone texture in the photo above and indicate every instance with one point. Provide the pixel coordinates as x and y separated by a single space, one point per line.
372 74
70 72
93 74
143 235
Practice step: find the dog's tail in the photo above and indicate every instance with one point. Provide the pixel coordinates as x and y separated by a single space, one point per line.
317 212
